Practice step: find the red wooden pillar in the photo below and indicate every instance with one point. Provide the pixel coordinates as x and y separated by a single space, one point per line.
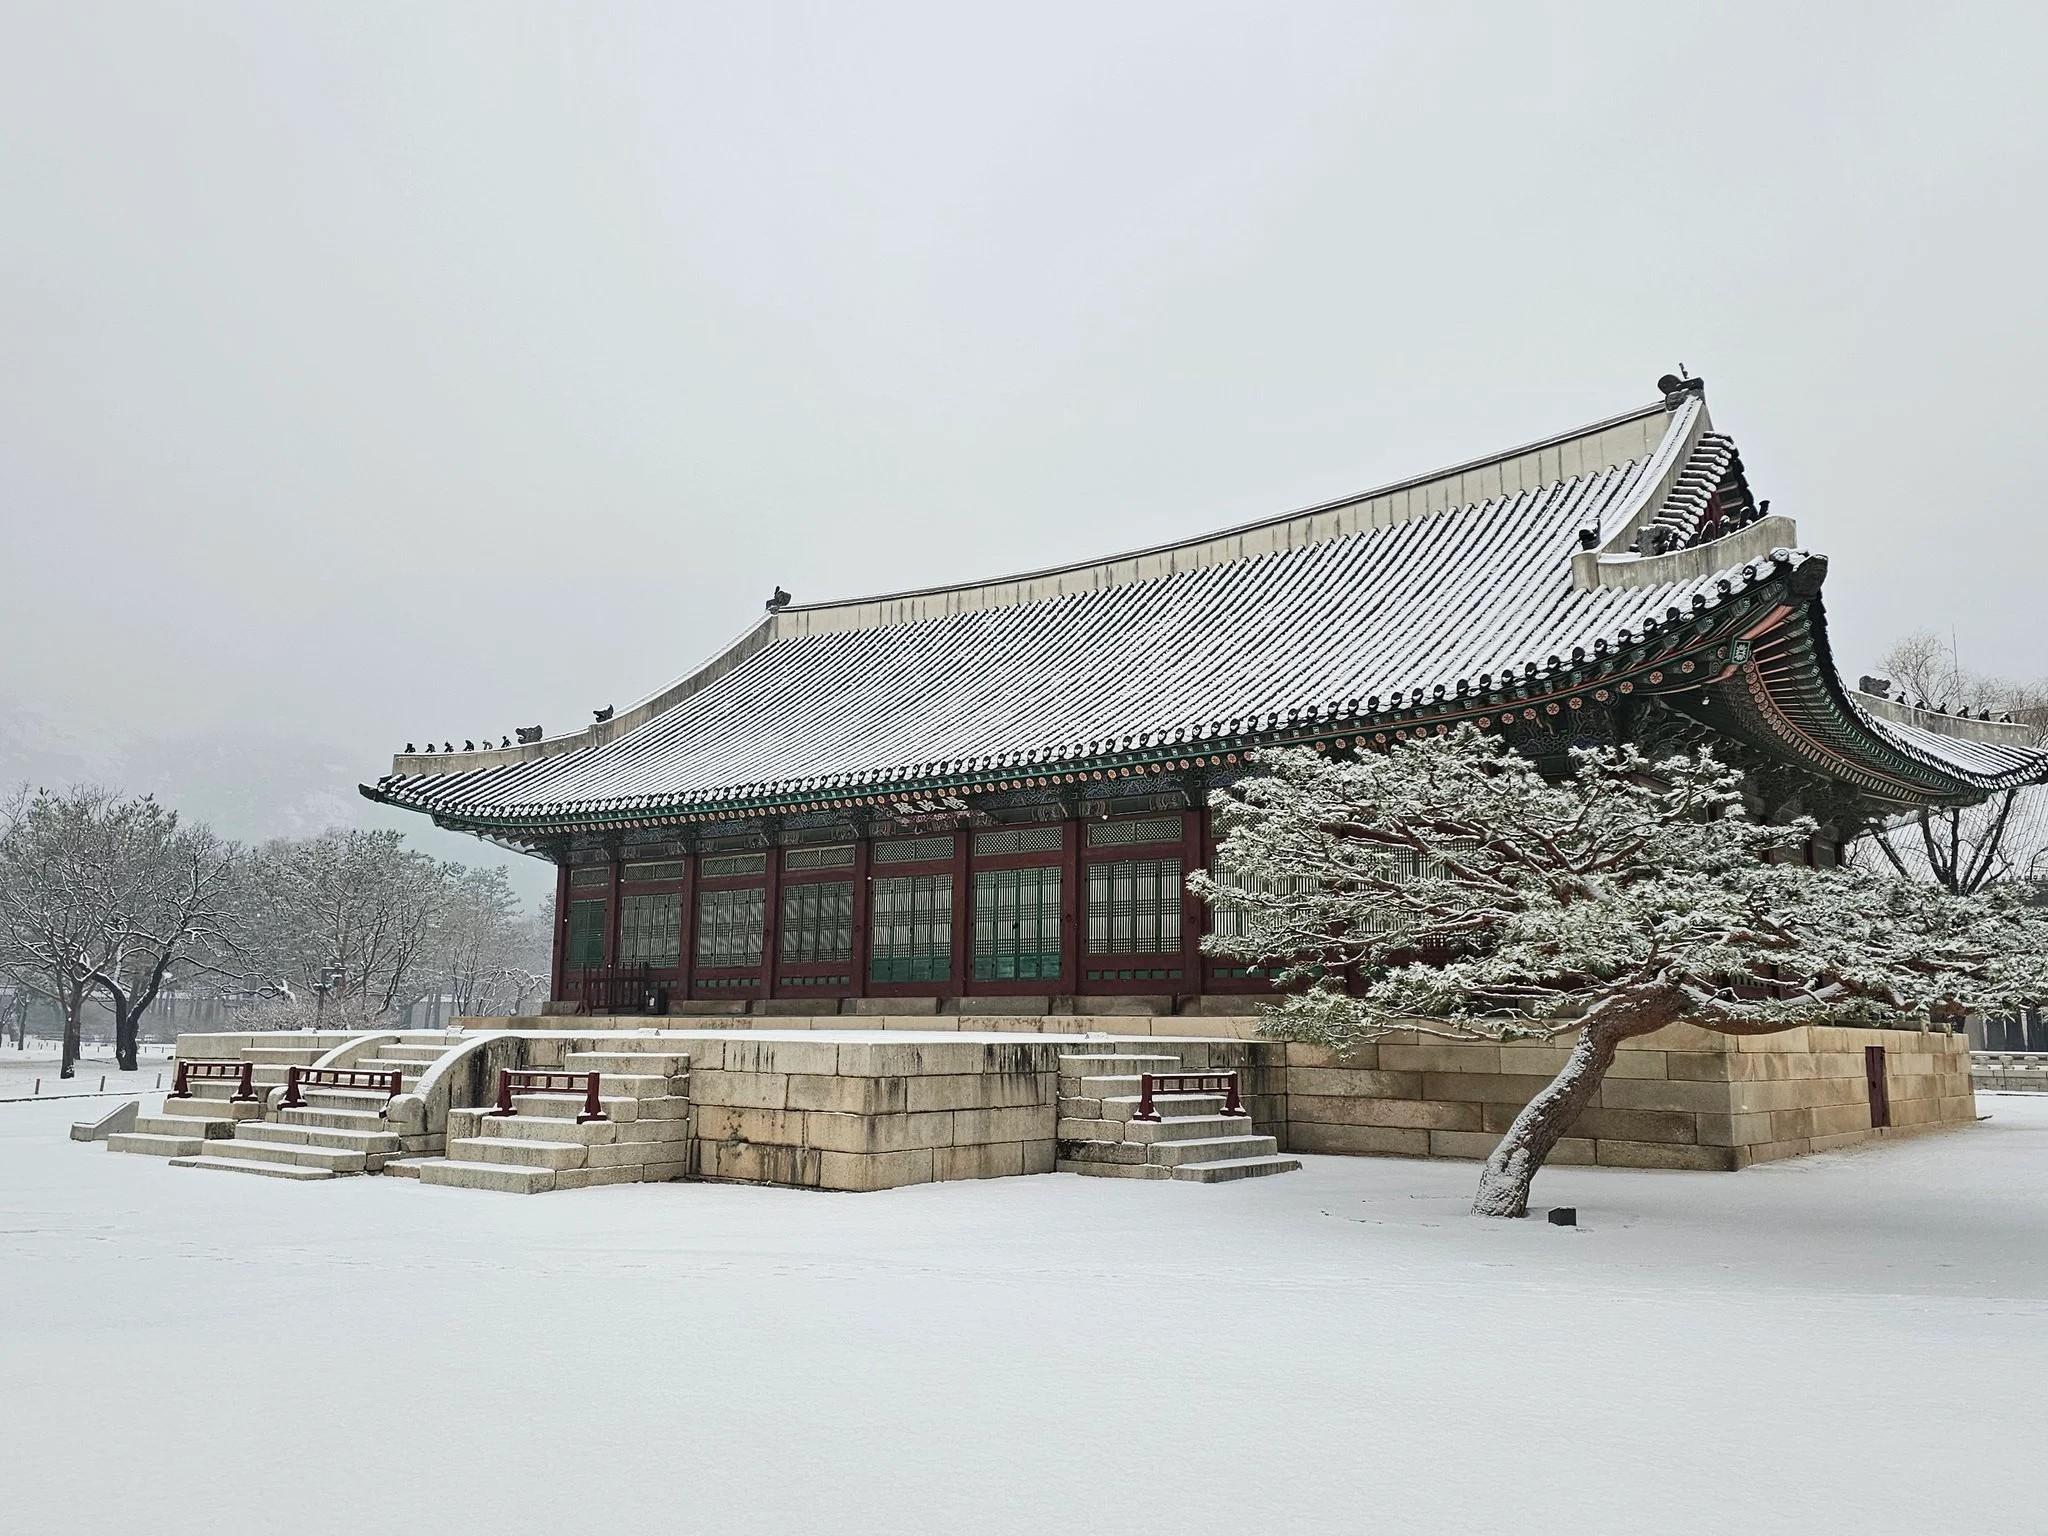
686 957
1073 898
611 917
1193 909
863 894
561 945
963 915
771 921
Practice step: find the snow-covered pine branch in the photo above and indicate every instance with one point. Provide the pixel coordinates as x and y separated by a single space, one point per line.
1446 886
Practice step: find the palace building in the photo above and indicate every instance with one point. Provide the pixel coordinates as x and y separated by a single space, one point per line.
985 798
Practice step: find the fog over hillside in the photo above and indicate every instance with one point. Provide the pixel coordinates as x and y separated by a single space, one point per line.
247 784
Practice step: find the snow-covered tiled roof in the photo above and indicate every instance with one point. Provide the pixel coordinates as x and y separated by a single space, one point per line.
1394 600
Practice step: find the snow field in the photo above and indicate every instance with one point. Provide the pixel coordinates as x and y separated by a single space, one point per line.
1822 1345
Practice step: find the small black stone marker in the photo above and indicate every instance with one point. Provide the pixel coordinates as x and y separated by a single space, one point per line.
1564 1215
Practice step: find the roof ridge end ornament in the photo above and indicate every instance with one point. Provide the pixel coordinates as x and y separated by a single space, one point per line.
1676 386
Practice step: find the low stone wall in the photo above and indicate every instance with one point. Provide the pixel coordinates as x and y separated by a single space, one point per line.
2010 1071
1684 1097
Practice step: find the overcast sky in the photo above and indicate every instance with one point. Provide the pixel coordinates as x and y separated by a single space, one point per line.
377 371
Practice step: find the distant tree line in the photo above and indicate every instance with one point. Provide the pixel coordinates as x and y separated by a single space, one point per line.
110 901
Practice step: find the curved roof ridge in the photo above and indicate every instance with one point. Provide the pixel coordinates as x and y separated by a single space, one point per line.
1594 448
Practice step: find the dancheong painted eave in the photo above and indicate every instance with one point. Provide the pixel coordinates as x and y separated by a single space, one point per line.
1627 558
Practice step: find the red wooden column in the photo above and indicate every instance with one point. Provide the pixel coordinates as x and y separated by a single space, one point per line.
561 935
611 917
963 917
1073 907
1193 910
686 959
771 921
863 895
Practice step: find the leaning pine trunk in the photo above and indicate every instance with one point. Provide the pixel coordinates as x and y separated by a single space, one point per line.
1504 1185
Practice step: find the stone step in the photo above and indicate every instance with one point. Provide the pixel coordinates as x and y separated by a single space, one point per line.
627 1065
411 1071
155 1144
371 1099
334 1119
635 1045
1214 1149
293 1153
519 1150
283 1055
587 1133
1103 1151
566 1106
371 1143
212 1095
243 1165
405 1167
1113 1170
1165 1104
1185 1127
507 1177
1235 1168
184 1125
638 1085
426 1055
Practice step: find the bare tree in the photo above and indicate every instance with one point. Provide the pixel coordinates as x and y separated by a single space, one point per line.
348 917
101 895
1964 848
1447 887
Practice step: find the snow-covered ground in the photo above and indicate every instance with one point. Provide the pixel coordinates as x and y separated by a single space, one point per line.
1853 1343
21 1071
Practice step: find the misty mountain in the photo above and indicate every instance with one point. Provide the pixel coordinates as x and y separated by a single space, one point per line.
247 784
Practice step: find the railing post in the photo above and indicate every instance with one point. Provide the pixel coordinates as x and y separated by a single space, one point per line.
291 1099
504 1093
1145 1109
245 1081
179 1090
590 1108
1233 1102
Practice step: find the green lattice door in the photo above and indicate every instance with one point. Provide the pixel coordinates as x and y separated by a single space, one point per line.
1016 924
586 935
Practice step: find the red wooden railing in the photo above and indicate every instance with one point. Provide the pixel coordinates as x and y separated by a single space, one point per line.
1151 1084
585 1083
390 1082
241 1073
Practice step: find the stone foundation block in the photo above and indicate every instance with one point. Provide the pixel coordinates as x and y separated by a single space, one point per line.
873 1170
1410 1114
1001 1161
749 1090
849 1095
878 1133
1647 1154
1312 1082
1312 1136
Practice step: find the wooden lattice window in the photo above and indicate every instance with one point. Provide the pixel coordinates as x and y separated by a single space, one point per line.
912 850
729 926
651 930
1134 907
652 870
590 876
725 865
586 935
1016 924
836 856
817 922
1017 840
1121 834
912 928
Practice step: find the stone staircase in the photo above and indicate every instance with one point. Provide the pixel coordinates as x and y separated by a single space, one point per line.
643 1088
337 1131
1191 1140
183 1127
